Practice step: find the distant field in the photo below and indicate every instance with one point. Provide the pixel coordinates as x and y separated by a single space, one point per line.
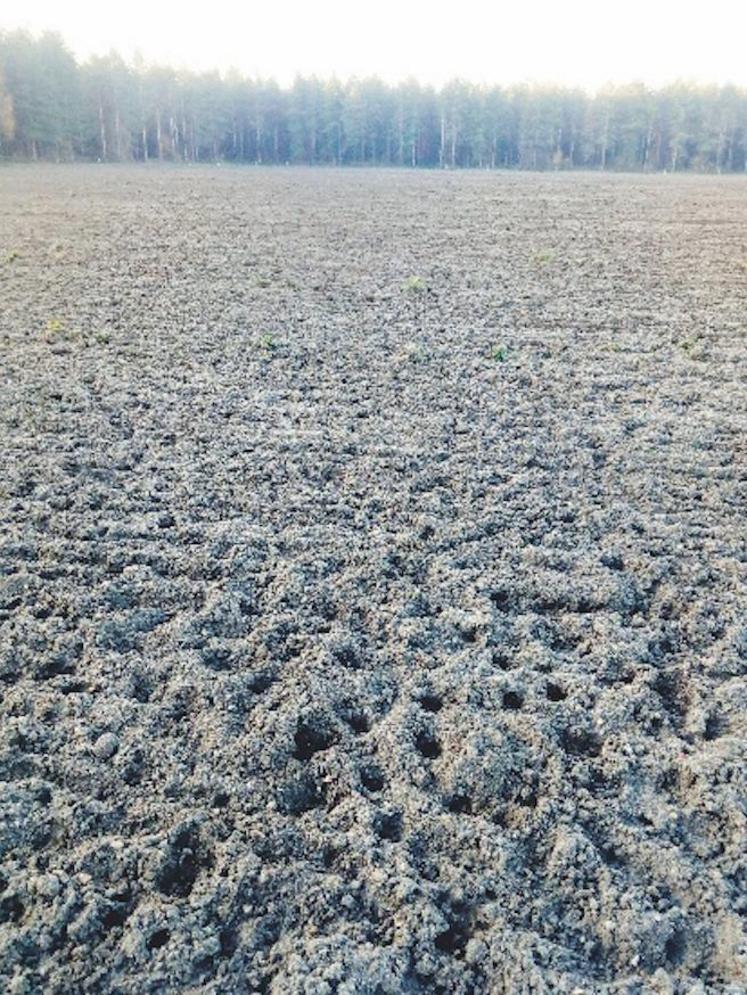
373 582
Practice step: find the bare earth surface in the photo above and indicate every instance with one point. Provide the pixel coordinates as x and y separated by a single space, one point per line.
365 636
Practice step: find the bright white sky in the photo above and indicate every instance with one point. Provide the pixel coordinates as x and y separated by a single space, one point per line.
576 42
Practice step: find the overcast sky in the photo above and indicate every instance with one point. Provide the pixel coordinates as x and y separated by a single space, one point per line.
577 42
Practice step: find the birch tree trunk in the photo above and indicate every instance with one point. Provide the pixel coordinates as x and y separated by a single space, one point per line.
117 134
605 140
102 132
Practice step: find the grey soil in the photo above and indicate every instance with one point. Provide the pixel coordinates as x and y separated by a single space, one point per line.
367 634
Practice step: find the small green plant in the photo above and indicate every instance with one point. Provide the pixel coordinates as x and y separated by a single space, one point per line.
267 342
55 326
693 347
264 281
414 285
415 352
499 353
544 257
12 256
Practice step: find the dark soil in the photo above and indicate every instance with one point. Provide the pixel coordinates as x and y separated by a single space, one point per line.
373 602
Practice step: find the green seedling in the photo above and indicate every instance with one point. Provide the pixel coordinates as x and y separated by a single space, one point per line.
415 352
544 257
55 326
693 347
499 353
414 285
267 342
12 256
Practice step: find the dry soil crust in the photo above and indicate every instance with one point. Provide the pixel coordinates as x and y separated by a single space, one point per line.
367 634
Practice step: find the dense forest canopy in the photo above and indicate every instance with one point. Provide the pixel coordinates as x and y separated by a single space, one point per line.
52 107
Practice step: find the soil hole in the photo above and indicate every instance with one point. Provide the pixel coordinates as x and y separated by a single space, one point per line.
501 659
311 739
555 692
301 796
217 658
330 855
528 798
141 689
182 865
668 686
581 742
714 728
113 917
11 909
676 947
346 654
261 682
453 940
44 795
158 939
612 560
430 702
73 687
358 722
372 779
428 746
500 599
512 701
228 941
388 826
460 804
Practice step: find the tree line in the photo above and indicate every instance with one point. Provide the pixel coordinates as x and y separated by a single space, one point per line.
54 108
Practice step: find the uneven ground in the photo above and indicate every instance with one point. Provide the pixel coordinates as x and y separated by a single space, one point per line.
366 635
